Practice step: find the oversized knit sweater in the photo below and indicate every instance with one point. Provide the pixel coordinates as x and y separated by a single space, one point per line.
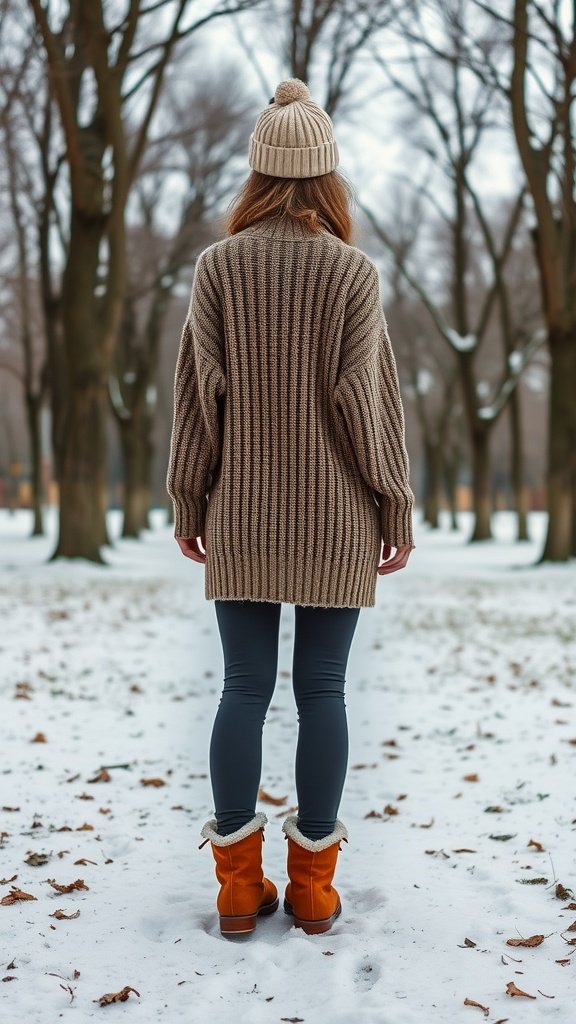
287 449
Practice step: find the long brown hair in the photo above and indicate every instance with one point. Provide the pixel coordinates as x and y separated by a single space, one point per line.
323 201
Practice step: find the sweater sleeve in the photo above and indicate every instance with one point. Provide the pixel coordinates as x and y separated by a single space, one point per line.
199 384
368 396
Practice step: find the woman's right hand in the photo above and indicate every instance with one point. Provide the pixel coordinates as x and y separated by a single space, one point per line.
398 559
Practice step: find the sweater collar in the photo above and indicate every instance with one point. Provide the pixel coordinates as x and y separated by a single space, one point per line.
283 226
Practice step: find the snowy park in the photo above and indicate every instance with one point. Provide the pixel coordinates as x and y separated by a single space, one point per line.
458 882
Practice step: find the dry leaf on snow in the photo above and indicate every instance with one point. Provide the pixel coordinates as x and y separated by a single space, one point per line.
101 776
472 1002
16 895
267 798
116 997
78 884
513 990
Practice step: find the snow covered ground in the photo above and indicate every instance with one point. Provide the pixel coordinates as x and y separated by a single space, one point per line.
461 689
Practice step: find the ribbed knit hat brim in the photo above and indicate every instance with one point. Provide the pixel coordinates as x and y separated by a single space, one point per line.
285 162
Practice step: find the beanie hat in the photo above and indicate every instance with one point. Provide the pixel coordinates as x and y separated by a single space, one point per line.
293 136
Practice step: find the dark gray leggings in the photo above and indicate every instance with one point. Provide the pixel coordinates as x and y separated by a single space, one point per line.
249 633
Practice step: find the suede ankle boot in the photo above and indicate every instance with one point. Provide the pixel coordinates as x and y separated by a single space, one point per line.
244 891
310 896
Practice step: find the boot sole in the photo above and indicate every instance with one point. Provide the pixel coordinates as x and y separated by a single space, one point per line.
242 924
313 927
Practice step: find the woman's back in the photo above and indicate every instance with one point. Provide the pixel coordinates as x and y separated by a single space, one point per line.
293 374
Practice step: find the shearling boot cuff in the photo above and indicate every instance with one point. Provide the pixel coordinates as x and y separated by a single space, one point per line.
291 829
208 830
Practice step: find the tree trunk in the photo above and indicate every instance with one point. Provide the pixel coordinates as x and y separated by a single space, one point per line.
135 435
82 481
559 544
481 490
33 407
574 516
82 528
517 469
451 480
433 464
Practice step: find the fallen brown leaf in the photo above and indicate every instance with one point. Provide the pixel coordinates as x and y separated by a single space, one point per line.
36 859
153 782
472 1002
64 917
267 798
532 940
16 895
78 884
116 997
513 990
39 738
103 775
286 810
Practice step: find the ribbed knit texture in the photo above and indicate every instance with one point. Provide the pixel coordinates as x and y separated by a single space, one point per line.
288 446
293 137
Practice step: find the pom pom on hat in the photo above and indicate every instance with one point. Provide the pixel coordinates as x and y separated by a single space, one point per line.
290 91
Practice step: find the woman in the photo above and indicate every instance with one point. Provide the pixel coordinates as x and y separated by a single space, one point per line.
288 461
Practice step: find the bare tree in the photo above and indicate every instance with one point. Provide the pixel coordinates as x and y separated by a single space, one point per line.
321 39
452 118
207 127
540 91
107 76
429 372
21 204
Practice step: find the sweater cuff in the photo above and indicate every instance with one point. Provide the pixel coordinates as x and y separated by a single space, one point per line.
396 523
189 516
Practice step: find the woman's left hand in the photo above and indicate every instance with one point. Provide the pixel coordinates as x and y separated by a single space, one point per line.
189 546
